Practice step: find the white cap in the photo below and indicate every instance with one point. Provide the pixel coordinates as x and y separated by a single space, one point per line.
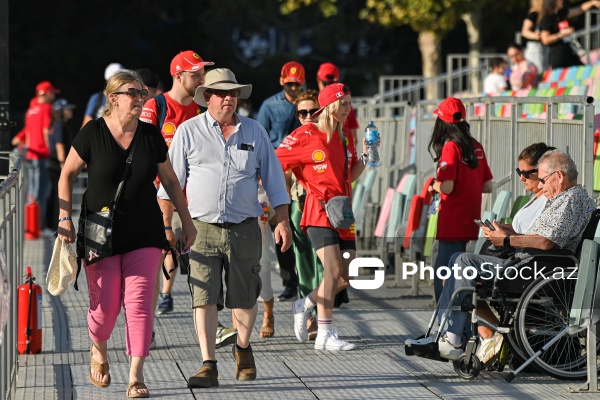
112 69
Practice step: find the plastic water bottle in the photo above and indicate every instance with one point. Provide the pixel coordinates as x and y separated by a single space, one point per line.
372 139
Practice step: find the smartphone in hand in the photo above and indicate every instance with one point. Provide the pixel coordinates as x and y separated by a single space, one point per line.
479 222
489 225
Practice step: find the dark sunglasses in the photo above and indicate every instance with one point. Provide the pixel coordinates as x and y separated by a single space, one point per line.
525 174
143 93
224 93
543 180
305 113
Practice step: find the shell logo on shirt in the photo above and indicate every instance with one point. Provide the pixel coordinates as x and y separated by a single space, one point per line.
318 156
169 128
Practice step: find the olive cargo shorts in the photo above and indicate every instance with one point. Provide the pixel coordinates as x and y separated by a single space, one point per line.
235 249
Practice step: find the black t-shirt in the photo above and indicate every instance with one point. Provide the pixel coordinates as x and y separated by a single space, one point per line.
138 221
560 53
533 17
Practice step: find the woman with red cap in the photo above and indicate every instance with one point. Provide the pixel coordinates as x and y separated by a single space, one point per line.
463 174
323 158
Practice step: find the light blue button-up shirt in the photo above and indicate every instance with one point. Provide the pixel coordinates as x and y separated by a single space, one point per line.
222 177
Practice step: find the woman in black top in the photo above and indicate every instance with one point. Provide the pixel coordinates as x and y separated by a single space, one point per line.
535 51
127 278
553 13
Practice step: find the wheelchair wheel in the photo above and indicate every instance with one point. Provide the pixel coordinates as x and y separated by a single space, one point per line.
466 371
541 314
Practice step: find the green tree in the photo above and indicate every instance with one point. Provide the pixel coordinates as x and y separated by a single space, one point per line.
431 19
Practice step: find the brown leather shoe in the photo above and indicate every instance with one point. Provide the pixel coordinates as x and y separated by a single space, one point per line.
205 378
245 369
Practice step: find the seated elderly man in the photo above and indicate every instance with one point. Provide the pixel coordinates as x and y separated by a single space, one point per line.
559 226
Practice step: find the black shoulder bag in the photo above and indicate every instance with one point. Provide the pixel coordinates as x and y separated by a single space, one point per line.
94 237
339 208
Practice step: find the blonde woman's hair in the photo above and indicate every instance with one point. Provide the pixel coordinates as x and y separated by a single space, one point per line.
328 124
114 83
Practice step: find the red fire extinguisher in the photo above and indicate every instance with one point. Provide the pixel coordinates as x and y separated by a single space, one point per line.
29 324
32 220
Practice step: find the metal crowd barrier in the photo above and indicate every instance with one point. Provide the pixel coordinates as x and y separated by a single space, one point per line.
12 205
503 138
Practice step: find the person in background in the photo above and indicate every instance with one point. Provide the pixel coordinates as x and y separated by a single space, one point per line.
219 156
95 105
327 74
151 82
535 51
327 145
277 115
62 113
462 176
267 260
127 278
495 82
554 28
523 74
38 125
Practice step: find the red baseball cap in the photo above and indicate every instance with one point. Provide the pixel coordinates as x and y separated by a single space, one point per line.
328 72
451 110
330 94
293 72
45 87
187 61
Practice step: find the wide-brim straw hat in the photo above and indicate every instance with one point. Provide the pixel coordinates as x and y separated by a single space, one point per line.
63 268
220 79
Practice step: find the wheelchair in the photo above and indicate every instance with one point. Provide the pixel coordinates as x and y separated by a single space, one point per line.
532 310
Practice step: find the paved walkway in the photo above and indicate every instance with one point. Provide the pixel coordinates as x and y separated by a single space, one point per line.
377 321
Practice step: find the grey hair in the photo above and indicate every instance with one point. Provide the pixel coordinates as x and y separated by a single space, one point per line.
556 160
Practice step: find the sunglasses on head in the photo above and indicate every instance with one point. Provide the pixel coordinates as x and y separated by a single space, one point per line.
544 179
525 174
132 92
305 113
224 93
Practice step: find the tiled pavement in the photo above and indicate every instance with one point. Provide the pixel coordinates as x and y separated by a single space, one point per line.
377 321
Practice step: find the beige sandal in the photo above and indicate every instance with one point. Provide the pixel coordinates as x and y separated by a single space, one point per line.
137 386
268 330
102 369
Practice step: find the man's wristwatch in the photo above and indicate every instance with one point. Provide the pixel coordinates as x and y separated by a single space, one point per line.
507 241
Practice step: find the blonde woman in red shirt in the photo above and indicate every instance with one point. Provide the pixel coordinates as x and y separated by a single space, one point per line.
316 154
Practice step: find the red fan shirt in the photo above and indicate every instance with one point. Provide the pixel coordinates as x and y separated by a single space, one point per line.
460 208
319 167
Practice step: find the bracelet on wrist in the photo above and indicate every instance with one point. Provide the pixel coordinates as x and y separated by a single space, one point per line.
64 219
168 228
364 157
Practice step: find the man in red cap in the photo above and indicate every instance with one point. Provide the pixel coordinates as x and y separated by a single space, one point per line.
277 115
38 121
327 74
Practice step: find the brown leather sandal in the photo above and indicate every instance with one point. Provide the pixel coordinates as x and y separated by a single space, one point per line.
102 369
268 330
137 386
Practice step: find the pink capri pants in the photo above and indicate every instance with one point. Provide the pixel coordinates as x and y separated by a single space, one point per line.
124 279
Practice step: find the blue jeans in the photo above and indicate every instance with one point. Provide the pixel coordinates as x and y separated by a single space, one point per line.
39 184
444 252
458 319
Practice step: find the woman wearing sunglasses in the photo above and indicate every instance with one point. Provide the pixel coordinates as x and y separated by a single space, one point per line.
127 277
528 174
323 158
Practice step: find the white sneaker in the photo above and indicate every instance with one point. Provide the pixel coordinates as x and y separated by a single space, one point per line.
488 348
300 318
422 341
448 350
329 340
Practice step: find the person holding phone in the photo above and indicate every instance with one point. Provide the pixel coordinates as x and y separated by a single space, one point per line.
463 174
